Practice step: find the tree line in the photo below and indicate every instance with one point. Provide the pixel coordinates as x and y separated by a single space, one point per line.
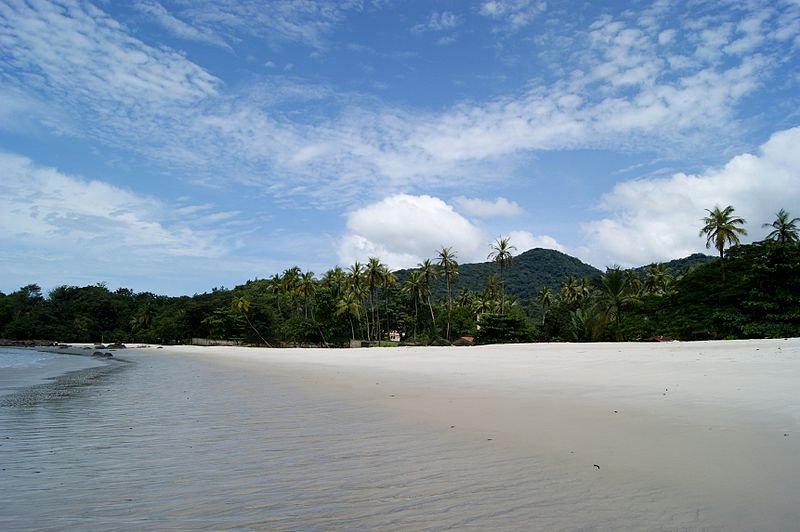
751 291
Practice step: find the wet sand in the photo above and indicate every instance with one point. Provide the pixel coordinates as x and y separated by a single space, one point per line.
689 436
717 422
52 364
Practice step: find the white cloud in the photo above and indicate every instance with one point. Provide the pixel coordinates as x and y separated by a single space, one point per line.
402 230
525 240
43 207
487 209
513 13
659 219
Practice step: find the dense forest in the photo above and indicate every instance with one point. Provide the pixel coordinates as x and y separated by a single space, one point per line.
749 291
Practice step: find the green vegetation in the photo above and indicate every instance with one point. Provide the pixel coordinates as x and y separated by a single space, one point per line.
543 295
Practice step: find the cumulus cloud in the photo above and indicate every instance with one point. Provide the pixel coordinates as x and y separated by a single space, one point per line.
403 229
659 219
525 240
487 209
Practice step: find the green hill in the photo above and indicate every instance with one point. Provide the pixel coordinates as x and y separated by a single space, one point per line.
537 268
529 272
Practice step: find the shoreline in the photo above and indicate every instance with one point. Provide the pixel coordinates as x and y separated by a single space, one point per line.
58 379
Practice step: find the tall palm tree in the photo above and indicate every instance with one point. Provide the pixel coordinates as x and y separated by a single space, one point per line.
502 255
355 283
389 281
415 289
428 273
449 269
241 305
720 228
289 282
614 293
373 273
545 299
306 286
784 230
349 303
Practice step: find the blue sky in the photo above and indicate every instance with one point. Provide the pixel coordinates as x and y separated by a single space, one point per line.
177 146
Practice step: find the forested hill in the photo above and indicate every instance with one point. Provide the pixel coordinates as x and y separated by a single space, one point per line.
681 266
529 272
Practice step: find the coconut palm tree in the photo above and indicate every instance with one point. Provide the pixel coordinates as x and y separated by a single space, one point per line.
784 230
449 269
414 287
306 286
428 273
373 273
545 299
721 228
502 255
389 281
241 305
349 303
614 292
658 278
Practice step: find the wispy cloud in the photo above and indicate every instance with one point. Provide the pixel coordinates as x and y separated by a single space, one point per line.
159 14
438 21
513 14
292 138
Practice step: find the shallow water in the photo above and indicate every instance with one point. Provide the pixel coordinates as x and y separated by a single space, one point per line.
173 442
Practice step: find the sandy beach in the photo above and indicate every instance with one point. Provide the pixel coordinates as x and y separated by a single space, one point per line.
689 436
719 420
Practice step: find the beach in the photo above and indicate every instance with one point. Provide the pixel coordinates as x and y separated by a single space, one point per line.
656 436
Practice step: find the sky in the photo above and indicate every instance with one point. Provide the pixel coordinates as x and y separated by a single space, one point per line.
177 146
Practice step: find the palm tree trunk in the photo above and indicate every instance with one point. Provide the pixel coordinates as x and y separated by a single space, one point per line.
256 331
449 307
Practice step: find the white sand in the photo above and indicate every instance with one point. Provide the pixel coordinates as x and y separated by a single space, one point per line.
717 419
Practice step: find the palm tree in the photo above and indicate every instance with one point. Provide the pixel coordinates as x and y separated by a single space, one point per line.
449 268
350 304
355 282
545 299
614 293
306 286
389 281
721 228
501 254
415 289
334 280
373 276
428 274
241 306
784 229
658 279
